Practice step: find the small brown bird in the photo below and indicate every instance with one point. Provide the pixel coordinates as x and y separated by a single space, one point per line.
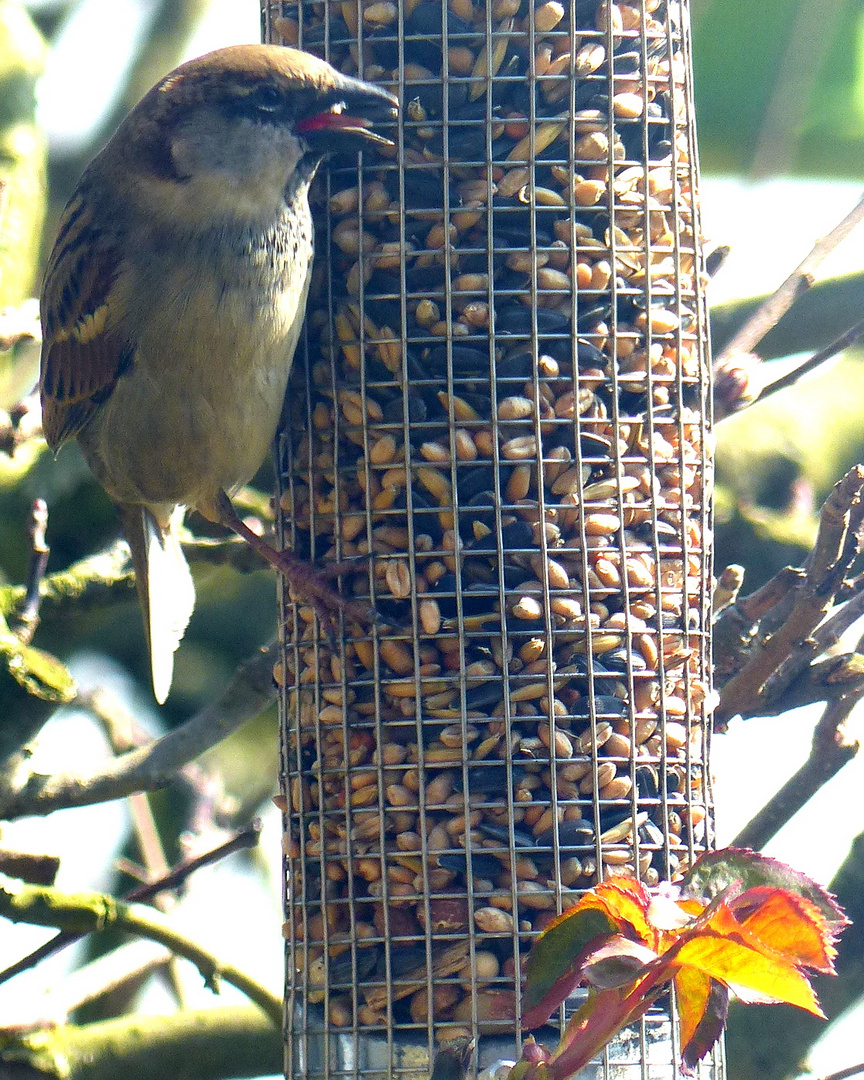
174 296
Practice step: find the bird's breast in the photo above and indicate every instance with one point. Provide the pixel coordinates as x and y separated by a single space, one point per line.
199 405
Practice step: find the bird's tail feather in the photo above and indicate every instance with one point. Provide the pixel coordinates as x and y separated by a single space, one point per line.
165 588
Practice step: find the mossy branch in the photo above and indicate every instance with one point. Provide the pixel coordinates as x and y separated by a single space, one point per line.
201 1044
83 913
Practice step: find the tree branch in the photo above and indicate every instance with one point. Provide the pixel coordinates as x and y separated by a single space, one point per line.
820 314
249 693
245 838
204 1044
792 619
775 307
838 345
123 969
42 905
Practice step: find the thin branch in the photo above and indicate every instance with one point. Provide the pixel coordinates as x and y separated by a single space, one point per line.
829 633
249 693
799 674
815 361
39 552
844 1074
125 733
93 912
129 963
245 838
801 278
830 751
156 865
823 313
37 869
828 680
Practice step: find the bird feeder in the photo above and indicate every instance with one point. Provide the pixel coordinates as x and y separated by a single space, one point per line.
499 424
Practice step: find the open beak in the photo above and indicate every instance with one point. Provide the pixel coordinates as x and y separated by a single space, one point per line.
338 124
351 117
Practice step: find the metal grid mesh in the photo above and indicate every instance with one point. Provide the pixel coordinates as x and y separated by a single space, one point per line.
530 714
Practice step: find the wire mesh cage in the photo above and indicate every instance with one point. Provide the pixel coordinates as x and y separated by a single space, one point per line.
500 411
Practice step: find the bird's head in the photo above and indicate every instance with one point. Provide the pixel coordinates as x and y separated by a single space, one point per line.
235 126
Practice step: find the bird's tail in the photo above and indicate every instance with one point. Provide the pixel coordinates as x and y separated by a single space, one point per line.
165 588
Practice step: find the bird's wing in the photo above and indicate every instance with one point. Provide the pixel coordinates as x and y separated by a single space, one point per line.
83 352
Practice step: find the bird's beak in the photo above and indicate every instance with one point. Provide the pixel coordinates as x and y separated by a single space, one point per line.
356 107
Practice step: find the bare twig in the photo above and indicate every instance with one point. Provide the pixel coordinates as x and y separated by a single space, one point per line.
27 618
129 963
798 282
125 733
37 869
154 766
844 1074
245 838
119 732
826 680
799 665
815 361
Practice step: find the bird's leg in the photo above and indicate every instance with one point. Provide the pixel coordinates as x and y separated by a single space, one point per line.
303 578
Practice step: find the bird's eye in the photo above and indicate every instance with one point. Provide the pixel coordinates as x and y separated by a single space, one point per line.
267 99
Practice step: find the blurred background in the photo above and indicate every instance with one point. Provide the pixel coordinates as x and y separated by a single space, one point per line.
780 116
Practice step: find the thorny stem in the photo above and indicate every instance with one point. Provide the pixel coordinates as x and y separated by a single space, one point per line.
602 1018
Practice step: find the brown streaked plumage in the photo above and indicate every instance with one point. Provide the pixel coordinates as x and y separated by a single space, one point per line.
174 295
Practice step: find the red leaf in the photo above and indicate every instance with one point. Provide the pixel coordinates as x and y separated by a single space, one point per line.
626 900
618 962
715 871
557 958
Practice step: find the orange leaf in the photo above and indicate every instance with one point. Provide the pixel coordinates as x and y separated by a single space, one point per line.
788 924
692 987
702 1007
626 900
736 964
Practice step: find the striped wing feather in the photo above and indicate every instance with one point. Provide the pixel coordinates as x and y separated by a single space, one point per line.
83 353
